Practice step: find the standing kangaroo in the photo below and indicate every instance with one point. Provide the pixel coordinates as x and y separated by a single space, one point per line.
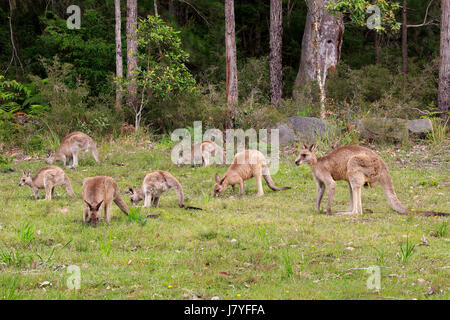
155 183
359 166
202 153
99 192
246 164
70 146
47 178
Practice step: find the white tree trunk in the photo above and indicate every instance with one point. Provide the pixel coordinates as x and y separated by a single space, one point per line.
444 65
276 37
321 45
231 64
119 61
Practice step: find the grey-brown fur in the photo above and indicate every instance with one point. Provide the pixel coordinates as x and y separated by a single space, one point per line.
70 146
47 178
201 153
99 192
357 165
246 164
154 184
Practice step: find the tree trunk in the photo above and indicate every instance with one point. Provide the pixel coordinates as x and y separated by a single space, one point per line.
132 47
119 61
321 46
376 44
444 65
155 5
404 40
231 66
172 10
276 37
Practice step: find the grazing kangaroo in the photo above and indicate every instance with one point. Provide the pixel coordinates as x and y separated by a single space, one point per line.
246 164
47 178
202 153
359 166
99 192
70 146
155 183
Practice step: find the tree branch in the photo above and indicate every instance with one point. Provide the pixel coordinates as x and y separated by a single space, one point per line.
425 23
14 55
196 10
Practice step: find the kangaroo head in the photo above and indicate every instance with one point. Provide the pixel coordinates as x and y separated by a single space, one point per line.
94 212
26 178
306 155
219 187
136 195
51 158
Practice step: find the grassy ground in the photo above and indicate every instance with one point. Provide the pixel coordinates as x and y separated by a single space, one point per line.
273 247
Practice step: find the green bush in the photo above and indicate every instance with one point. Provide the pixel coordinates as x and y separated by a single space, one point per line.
380 91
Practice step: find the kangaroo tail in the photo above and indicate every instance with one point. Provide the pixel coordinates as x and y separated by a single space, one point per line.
432 213
272 185
68 185
192 208
388 187
121 204
95 152
174 184
389 192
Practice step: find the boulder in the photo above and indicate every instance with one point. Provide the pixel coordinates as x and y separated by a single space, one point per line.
387 129
287 134
420 126
308 127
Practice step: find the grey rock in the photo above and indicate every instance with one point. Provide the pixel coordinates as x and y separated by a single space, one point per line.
287 134
308 127
420 126
383 128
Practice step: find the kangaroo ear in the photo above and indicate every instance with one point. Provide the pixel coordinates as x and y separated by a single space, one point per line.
312 147
305 146
130 190
29 173
89 205
24 173
98 206
217 178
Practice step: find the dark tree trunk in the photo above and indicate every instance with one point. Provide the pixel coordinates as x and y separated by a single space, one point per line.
172 10
276 37
321 50
119 61
132 47
231 66
376 44
404 39
444 65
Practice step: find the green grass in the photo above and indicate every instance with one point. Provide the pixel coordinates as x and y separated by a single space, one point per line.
237 247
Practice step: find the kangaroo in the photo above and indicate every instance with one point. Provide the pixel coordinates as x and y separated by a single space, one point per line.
246 164
99 192
357 165
155 183
201 153
47 178
70 146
